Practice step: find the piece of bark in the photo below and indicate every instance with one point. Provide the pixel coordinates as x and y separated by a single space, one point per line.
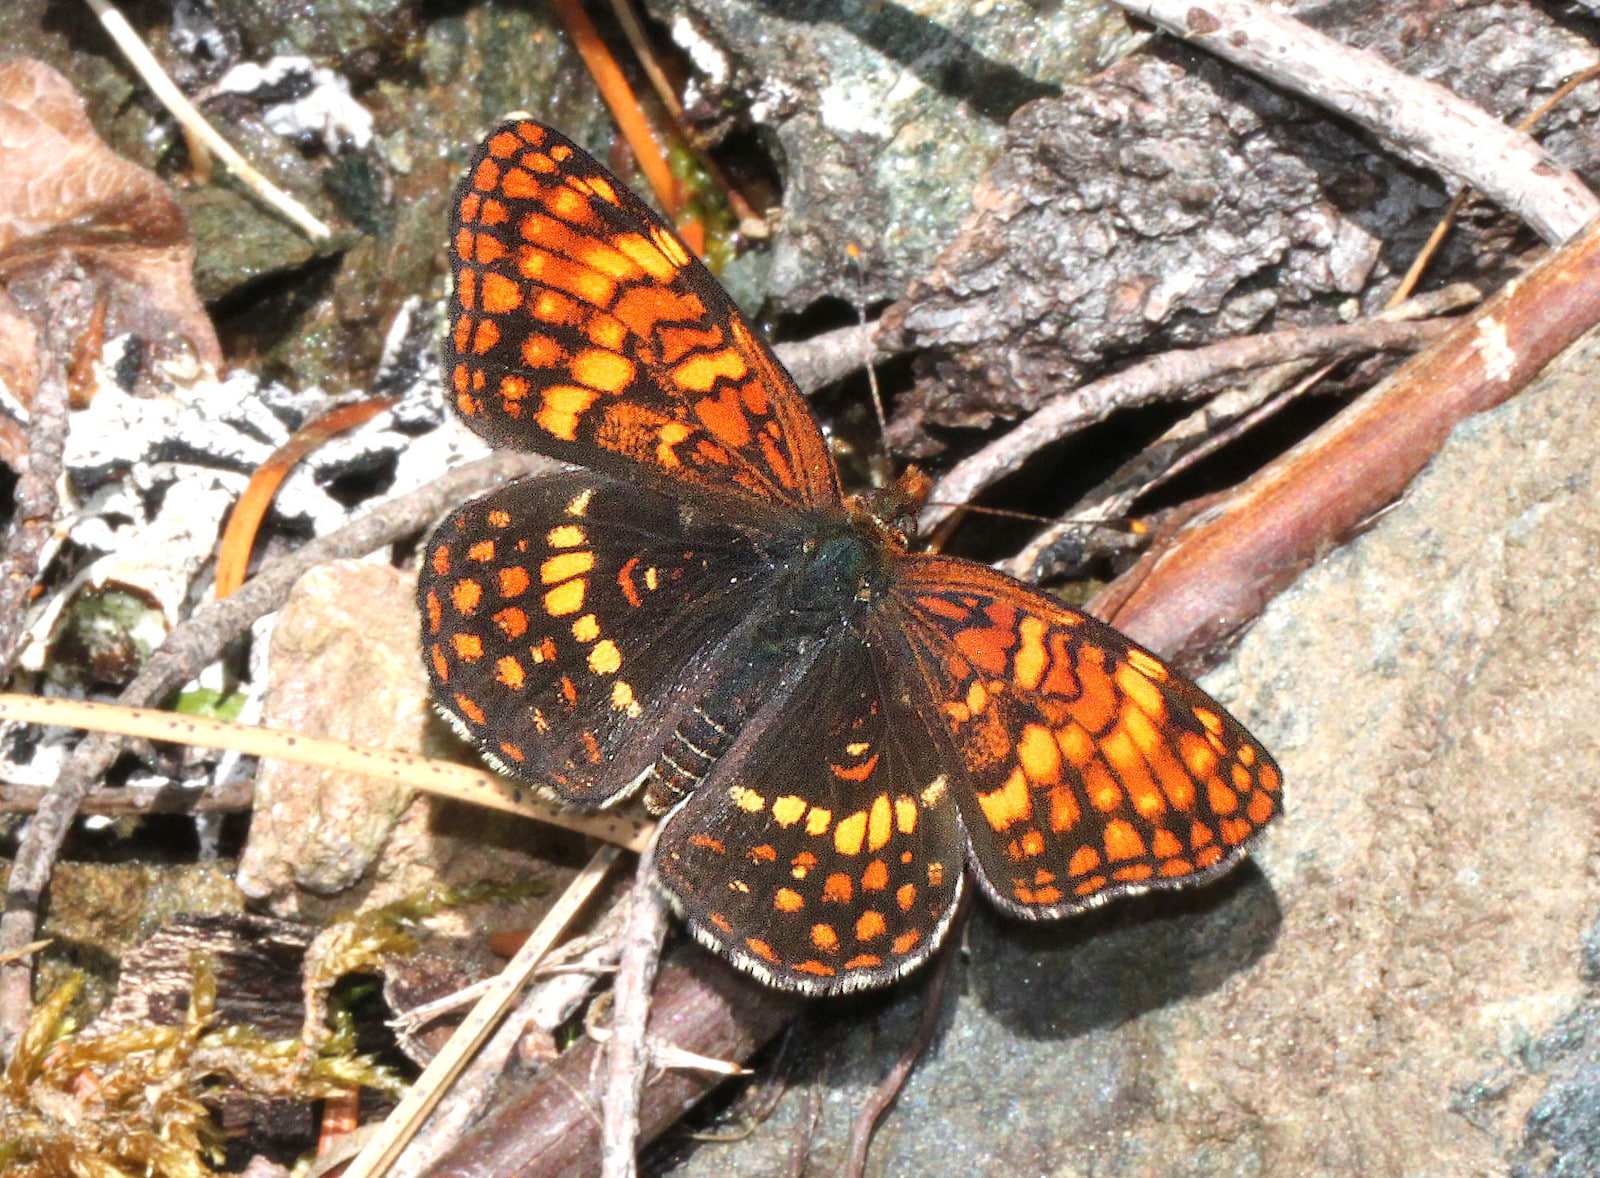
1428 124
1174 201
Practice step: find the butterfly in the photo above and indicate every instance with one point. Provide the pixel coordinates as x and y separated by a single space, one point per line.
837 731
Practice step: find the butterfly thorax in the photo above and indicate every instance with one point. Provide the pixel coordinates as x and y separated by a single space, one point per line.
829 575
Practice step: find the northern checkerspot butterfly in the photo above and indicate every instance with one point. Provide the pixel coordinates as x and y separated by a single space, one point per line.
836 729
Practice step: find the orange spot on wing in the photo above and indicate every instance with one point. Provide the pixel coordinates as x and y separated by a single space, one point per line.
1008 804
838 888
1122 841
870 924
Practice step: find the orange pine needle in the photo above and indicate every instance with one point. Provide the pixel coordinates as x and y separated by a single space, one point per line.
624 106
238 538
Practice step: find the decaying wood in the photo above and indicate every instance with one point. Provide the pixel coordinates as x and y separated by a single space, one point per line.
1424 122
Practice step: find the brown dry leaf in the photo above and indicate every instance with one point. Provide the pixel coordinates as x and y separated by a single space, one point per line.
64 192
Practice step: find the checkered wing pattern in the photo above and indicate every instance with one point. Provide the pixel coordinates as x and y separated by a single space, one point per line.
568 620
826 853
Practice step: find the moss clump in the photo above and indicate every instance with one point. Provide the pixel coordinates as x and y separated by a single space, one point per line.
137 1103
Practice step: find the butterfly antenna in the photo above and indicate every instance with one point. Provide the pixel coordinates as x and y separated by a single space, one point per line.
853 252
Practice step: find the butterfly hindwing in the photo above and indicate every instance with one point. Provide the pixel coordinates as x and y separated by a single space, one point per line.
825 853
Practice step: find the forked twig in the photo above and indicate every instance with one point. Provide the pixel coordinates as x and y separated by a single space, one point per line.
1156 379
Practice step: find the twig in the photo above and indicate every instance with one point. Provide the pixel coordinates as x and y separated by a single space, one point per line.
750 223
187 649
806 1128
759 1099
1194 596
234 797
831 356
623 105
1171 375
932 1009
1425 122
34 516
444 779
626 1054
238 537
387 1143
194 123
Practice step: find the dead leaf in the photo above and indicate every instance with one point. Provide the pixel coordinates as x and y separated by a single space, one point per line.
64 193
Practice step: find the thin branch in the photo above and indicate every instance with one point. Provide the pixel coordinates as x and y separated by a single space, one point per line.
551 1124
550 1001
1157 461
1424 122
1209 428
831 356
1172 375
235 797
34 516
1425 255
194 123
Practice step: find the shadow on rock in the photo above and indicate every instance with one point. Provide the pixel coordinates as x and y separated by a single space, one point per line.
1062 979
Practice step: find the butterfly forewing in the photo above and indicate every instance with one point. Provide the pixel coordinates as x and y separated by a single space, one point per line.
563 618
825 853
582 328
1087 768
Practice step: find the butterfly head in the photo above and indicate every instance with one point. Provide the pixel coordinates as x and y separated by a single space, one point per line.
891 512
